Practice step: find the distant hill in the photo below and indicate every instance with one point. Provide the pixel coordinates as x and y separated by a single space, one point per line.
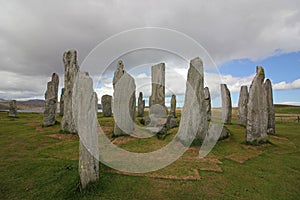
32 104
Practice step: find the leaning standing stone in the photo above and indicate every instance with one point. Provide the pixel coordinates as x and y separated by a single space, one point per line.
106 105
242 106
257 116
193 123
226 104
141 105
124 101
85 116
13 110
270 107
51 98
71 71
207 103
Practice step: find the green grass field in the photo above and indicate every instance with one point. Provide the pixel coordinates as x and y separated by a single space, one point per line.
41 163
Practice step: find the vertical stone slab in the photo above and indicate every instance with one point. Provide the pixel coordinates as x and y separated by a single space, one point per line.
141 105
51 97
124 101
71 71
226 104
61 102
106 101
85 105
207 103
257 116
193 115
158 85
13 110
242 106
270 107
173 105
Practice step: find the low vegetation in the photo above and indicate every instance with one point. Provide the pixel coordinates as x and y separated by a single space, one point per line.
42 163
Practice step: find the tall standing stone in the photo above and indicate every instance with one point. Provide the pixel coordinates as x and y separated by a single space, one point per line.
173 105
207 103
61 102
141 105
13 110
158 85
106 101
226 104
242 106
257 116
193 122
85 104
71 71
270 107
51 98
124 101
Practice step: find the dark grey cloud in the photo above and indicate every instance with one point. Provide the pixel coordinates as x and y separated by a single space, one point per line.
34 34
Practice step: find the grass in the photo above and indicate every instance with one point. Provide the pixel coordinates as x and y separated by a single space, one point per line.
42 163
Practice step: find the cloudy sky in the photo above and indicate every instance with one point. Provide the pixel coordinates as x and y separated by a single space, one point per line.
237 34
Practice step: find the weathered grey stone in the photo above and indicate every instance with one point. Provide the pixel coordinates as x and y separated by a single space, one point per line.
270 107
141 105
13 110
61 102
51 97
193 123
257 116
85 117
71 71
242 106
218 132
158 85
106 101
173 106
124 101
207 103
226 104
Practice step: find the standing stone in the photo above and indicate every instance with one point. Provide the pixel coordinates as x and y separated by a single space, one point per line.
193 122
173 106
242 106
141 105
106 105
13 110
270 107
226 104
61 102
85 104
158 85
124 101
207 103
51 97
257 116
71 71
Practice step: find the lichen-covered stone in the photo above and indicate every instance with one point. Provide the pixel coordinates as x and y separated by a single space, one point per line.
124 101
173 106
61 102
257 116
71 71
141 105
270 107
85 117
242 106
106 101
158 85
207 103
51 98
13 110
193 123
226 104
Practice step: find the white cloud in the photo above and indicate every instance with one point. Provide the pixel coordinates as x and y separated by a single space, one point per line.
286 86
